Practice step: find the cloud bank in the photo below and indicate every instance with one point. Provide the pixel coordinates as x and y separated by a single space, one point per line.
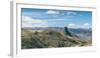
52 12
84 26
29 22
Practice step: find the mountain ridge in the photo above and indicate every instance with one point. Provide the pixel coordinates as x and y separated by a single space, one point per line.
49 38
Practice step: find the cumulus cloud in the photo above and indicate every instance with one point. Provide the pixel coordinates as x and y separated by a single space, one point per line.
29 22
86 24
72 25
52 12
71 13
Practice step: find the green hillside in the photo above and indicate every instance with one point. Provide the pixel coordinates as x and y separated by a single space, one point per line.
50 39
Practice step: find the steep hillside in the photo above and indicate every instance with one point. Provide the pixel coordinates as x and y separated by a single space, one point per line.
50 38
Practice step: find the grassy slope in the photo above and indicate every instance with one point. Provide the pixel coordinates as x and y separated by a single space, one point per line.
49 38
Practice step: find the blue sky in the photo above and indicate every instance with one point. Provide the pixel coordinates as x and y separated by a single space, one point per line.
56 18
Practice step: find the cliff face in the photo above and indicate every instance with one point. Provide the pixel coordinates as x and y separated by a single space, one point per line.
67 32
50 38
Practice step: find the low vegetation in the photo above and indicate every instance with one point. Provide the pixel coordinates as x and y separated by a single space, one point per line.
50 39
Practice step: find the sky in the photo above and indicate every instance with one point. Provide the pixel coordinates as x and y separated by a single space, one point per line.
32 17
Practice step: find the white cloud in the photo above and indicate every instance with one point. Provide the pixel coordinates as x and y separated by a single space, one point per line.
29 22
72 25
56 19
52 12
71 13
86 24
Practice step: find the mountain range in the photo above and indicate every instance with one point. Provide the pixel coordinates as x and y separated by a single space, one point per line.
52 37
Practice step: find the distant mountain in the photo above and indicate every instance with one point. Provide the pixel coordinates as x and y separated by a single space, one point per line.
82 33
50 37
